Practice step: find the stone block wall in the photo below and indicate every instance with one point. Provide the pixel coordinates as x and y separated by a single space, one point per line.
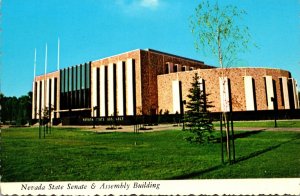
212 86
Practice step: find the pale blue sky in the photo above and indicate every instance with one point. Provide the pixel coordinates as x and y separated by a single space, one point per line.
93 29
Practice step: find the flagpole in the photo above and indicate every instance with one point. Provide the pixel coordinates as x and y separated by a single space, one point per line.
34 64
58 44
34 112
46 59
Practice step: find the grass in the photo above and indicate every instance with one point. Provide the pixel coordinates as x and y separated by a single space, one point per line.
69 154
265 124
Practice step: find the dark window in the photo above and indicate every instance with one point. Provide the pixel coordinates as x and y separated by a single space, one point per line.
124 87
167 68
98 90
49 94
115 89
87 75
281 91
70 78
78 77
106 87
66 80
62 80
134 86
55 95
175 68
40 98
82 67
35 99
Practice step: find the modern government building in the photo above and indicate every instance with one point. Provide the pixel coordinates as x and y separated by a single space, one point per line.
149 82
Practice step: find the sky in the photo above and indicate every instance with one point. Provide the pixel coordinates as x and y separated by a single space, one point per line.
93 29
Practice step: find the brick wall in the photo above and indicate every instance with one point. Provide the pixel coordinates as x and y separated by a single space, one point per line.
153 64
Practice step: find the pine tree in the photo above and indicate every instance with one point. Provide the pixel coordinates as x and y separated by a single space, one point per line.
197 117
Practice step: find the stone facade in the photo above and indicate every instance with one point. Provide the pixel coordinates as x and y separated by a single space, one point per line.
237 87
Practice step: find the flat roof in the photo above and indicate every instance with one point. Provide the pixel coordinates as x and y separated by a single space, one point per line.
157 51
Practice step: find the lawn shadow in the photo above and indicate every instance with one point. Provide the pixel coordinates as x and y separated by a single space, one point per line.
196 173
220 166
248 133
259 152
240 135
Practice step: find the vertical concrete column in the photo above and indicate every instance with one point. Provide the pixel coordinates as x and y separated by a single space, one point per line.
52 96
295 93
111 91
224 94
249 95
102 91
129 87
201 86
47 93
270 92
38 100
285 92
43 98
120 93
176 96
33 115
94 90
58 90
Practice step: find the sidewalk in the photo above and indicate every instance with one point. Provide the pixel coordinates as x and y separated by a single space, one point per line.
164 127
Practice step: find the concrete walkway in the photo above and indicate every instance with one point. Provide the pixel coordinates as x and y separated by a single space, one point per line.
163 127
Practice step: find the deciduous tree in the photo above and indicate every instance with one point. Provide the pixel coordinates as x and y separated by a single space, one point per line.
219 30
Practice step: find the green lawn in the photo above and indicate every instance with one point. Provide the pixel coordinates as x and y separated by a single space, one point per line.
69 154
266 123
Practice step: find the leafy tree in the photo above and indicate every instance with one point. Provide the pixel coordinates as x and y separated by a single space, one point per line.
197 117
16 110
219 30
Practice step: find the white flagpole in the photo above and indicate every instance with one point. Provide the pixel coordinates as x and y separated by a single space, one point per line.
46 60
34 108
34 64
58 43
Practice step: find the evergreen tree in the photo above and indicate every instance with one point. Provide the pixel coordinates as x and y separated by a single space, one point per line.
197 117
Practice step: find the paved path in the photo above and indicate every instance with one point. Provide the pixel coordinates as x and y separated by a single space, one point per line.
163 127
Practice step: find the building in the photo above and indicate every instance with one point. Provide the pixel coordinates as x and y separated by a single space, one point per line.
150 82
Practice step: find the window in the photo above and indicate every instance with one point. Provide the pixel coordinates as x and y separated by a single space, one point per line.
281 91
167 68
175 68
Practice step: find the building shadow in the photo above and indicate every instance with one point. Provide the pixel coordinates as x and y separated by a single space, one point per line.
240 135
238 160
259 152
248 133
